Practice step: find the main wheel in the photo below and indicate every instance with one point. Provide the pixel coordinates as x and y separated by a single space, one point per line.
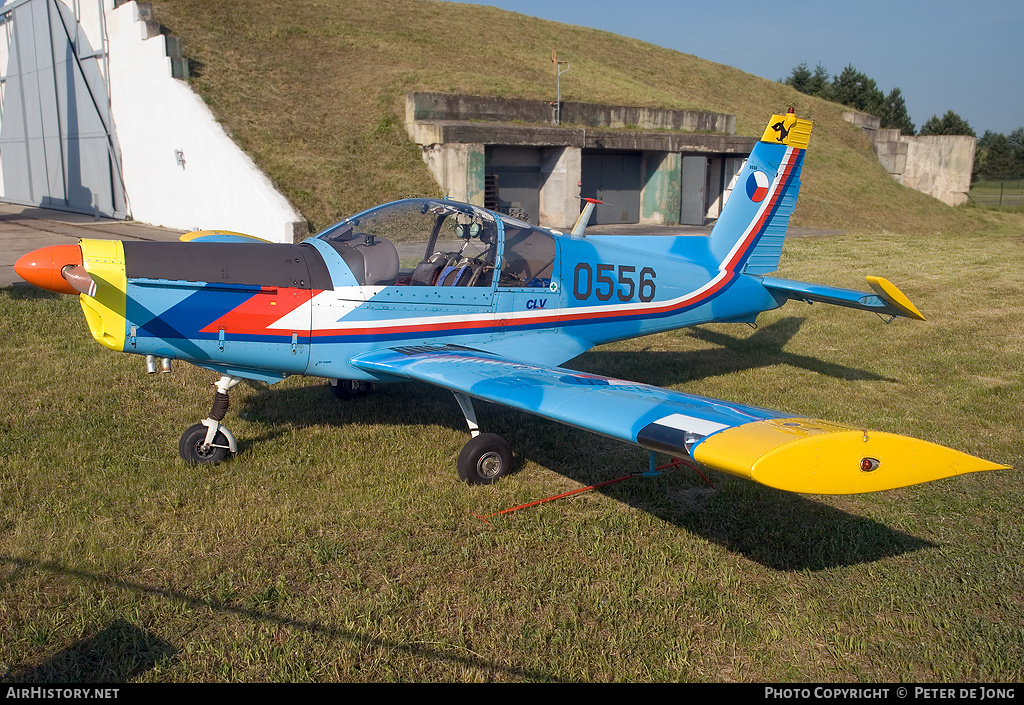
485 459
191 446
347 389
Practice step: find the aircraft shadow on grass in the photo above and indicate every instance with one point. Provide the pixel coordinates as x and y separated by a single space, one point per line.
764 348
118 653
122 651
781 530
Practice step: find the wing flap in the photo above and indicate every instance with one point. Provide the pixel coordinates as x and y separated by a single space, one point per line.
770 447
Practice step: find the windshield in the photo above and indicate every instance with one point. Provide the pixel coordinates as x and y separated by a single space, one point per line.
529 256
441 243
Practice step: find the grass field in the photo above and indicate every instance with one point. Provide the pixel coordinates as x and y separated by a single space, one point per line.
339 545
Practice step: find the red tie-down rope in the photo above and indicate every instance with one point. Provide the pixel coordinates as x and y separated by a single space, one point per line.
674 463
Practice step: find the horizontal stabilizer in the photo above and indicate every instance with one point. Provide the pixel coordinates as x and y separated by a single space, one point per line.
887 299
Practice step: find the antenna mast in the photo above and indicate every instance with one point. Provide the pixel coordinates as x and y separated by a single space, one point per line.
558 84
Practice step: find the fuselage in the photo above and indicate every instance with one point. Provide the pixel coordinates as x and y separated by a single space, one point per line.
264 311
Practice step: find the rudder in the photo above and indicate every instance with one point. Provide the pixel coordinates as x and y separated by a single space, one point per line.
751 230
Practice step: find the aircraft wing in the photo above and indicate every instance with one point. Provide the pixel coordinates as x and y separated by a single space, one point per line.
771 447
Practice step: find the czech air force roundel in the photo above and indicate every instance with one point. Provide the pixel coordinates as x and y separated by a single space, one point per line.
757 186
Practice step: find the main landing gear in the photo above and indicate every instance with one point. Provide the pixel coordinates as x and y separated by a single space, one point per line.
487 457
347 389
208 441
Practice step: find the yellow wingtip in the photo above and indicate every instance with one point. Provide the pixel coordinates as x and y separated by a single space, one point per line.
819 457
894 297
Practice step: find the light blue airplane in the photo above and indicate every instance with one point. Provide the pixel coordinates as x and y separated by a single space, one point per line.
490 310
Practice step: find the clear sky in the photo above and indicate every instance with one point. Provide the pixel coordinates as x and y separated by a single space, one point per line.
965 56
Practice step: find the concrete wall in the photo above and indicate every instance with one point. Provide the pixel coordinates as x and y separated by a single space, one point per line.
459 168
938 165
560 186
215 185
863 120
444 106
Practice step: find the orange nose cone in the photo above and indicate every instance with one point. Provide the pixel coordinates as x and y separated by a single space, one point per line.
43 267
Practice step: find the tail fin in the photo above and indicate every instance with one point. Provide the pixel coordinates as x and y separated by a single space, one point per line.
749 234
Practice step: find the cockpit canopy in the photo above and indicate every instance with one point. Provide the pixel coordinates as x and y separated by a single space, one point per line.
431 242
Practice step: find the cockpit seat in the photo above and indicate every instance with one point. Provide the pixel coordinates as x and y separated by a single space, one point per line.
426 272
373 260
380 261
457 275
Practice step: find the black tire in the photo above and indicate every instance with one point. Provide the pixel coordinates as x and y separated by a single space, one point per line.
348 389
485 460
191 444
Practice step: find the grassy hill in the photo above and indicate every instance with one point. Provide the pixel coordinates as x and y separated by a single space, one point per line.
313 90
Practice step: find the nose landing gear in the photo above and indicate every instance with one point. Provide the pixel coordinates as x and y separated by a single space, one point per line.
208 442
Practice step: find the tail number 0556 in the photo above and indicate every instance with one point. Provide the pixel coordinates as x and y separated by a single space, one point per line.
598 280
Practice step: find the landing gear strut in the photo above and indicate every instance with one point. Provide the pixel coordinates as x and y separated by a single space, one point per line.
346 389
487 457
208 441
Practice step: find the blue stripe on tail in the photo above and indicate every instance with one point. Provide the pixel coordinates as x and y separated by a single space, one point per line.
765 221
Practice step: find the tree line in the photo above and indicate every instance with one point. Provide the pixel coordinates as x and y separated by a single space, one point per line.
856 90
998 156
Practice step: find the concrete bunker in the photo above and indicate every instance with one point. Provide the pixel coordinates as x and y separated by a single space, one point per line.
652 166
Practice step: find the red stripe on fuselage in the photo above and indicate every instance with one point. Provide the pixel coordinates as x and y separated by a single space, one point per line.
259 312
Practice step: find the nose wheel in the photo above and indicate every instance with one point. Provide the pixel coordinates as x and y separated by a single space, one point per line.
208 442
194 449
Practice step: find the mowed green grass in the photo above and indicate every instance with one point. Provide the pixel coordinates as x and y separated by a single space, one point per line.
339 545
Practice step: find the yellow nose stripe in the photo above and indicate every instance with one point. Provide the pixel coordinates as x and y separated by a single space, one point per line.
105 311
